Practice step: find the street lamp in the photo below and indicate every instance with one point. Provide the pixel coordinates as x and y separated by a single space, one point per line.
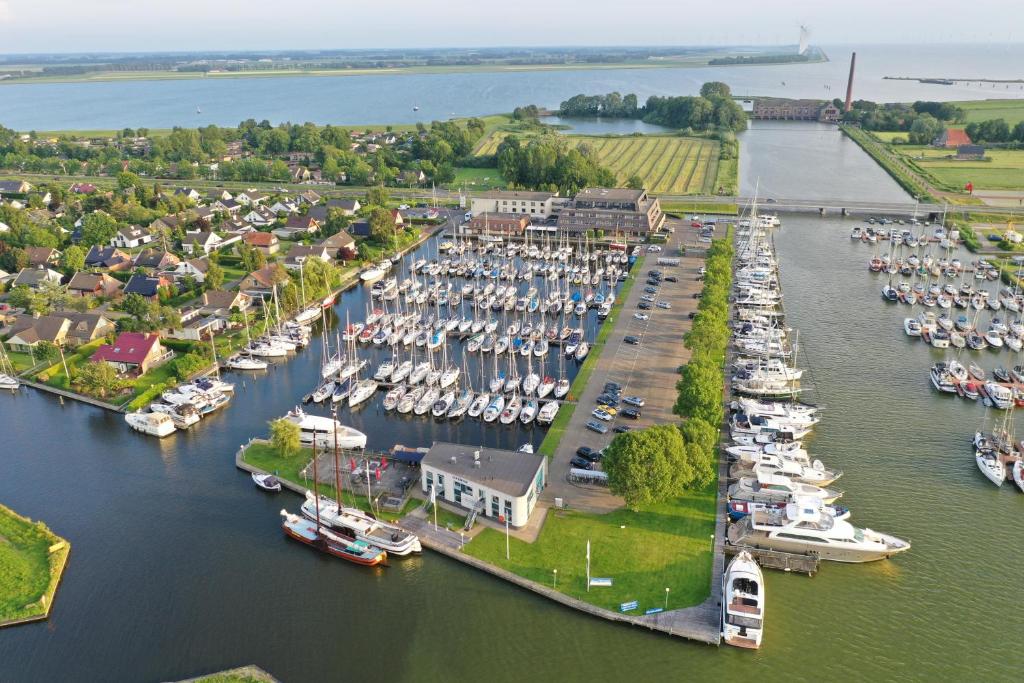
666 598
554 581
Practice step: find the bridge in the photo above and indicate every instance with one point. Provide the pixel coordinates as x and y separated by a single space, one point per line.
848 206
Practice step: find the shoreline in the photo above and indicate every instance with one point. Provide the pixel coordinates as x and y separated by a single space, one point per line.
57 561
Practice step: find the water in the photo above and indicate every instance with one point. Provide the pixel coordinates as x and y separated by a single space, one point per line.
179 566
594 125
379 99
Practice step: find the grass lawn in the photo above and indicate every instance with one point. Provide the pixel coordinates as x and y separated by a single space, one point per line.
21 361
29 572
265 457
1003 169
55 375
890 135
687 208
662 546
245 674
478 179
982 110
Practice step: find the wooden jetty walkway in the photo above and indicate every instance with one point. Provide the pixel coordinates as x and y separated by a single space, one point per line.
72 395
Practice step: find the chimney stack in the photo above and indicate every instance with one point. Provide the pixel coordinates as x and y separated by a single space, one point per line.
849 84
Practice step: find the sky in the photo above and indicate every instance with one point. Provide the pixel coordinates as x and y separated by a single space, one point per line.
33 26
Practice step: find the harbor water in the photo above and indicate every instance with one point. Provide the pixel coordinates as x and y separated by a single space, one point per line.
179 566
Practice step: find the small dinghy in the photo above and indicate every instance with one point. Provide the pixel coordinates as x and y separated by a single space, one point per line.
976 372
267 482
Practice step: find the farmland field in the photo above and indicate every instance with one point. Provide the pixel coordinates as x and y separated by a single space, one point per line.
1002 169
1011 111
668 164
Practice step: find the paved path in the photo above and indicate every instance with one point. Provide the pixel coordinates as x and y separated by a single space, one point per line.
650 370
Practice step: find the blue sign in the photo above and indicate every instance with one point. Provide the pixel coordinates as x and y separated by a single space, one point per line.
654 610
628 606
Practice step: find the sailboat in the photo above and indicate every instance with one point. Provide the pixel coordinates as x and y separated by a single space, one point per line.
8 378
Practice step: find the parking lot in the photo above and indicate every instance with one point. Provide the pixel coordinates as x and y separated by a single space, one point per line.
649 369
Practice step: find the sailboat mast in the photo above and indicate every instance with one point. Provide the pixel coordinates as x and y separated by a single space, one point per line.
337 473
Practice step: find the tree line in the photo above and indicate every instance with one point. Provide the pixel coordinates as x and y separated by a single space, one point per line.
549 162
713 108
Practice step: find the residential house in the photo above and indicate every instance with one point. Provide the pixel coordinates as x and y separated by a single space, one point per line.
261 282
93 284
9 187
228 205
236 226
970 153
216 302
156 259
198 329
260 216
309 197
284 206
507 224
201 243
132 352
951 138
195 268
166 223
340 246
298 225
87 327
107 258
264 241
299 254
396 216
187 192
540 204
34 278
131 237
42 256
84 188
250 197
360 228
29 331
146 286
222 195
348 207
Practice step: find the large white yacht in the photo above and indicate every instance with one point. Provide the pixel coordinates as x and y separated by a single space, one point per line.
154 424
802 527
743 602
325 428
773 488
358 525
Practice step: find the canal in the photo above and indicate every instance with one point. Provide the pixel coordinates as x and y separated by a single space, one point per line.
179 566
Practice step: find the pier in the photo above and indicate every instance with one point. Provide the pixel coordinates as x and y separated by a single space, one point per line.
71 395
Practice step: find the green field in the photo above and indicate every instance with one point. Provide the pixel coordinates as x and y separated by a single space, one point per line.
982 110
1002 169
668 164
662 546
29 572
890 135
478 179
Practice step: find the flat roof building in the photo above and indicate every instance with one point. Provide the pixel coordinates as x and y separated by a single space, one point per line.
612 211
500 484
537 204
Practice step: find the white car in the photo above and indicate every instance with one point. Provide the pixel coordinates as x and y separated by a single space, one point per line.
641 316
602 415
654 248
648 297
663 304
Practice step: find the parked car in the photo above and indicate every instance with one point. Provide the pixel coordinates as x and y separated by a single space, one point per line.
591 454
654 273
621 429
653 248
581 463
596 426
650 290
637 401
641 316
695 224
608 400
631 413
653 282
671 278
664 304
612 387
602 414
648 297
644 306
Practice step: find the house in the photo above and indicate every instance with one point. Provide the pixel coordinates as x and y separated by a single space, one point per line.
131 237
93 284
228 205
396 216
166 223
195 268
201 243
250 197
261 282
970 152
34 278
360 228
188 193
199 329
156 259
299 254
145 286
615 211
42 256
309 197
506 224
132 352
348 207
8 187
951 138
107 258
264 241
284 207
29 331
216 302
235 226
84 188
340 246
298 225
260 216
87 327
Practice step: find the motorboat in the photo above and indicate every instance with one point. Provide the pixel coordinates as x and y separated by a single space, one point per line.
427 401
394 395
529 411
354 524
548 412
154 424
243 361
306 531
991 466
801 527
1000 396
408 402
743 601
738 509
770 488
267 482
325 429
1018 474
443 404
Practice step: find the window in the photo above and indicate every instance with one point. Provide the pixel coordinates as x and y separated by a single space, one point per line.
508 510
440 485
495 511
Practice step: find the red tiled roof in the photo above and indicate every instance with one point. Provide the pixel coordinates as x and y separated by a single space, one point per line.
956 137
130 347
259 239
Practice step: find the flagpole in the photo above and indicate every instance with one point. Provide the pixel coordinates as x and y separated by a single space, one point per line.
588 565
507 553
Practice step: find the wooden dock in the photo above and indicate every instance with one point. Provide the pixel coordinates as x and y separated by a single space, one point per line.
774 559
71 395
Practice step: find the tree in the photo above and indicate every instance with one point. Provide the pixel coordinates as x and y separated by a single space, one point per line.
377 196
284 437
98 379
700 392
252 258
47 352
715 89
635 182
924 129
73 259
382 225
97 229
648 466
214 277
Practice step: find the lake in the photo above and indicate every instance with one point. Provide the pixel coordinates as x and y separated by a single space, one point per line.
380 99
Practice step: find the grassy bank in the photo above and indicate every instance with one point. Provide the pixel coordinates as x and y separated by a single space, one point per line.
888 160
245 674
32 559
661 546
685 208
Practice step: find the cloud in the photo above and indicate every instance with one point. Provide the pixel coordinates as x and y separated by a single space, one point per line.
6 15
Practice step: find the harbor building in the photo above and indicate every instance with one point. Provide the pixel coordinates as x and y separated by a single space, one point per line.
506 224
498 484
613 211
779 109
536 204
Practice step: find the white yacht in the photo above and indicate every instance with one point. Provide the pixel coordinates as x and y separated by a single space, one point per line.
548 412
325 428
743 602
154 424
363 390
245 362
991 466
771 488
802 528
358 525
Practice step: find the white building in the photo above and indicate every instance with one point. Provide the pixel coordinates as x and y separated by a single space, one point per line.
508 483
537 204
